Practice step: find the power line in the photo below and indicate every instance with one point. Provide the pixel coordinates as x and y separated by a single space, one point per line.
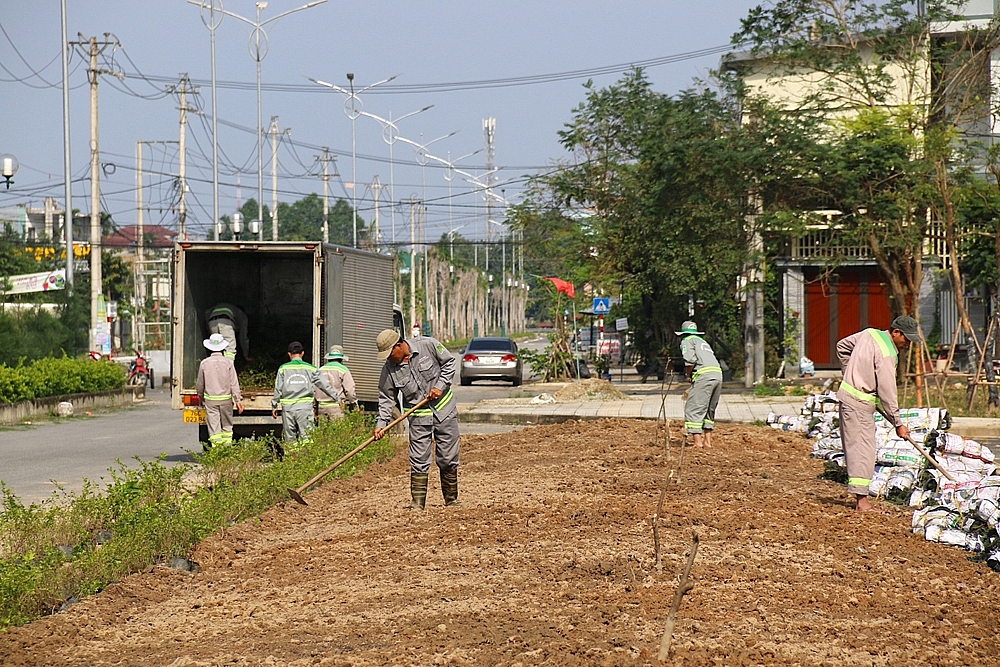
479 84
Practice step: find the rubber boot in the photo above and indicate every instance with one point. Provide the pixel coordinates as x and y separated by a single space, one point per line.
418 490
449 486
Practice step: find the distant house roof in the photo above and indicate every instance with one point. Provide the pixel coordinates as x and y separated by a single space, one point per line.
156 236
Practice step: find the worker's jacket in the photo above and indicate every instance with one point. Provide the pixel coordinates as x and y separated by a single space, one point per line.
217 379
293 385
236 317
430 365
868 361
699 355
340 378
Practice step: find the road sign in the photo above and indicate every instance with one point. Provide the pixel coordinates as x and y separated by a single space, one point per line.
621 324
602 306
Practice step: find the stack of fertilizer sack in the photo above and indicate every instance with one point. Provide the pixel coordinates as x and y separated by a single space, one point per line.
963 512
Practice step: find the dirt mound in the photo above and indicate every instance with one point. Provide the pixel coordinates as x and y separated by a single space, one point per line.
592 388
549 560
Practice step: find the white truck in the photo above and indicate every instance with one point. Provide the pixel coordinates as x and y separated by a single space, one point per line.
315 293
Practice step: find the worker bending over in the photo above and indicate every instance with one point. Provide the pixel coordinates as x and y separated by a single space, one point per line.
230 321
702 369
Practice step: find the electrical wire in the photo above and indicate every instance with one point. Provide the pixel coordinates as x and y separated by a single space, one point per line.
479 84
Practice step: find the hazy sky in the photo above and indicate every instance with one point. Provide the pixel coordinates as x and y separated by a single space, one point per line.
424 43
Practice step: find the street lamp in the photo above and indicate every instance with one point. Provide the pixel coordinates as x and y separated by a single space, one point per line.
8 167
258 51
390 135
352 111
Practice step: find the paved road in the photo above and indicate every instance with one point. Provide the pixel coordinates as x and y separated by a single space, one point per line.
35 460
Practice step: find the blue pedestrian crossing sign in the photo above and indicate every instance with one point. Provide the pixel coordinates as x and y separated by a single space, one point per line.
602 306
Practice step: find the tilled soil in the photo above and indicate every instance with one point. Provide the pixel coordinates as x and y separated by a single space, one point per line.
549 559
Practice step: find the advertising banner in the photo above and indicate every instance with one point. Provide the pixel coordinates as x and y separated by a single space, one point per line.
34 282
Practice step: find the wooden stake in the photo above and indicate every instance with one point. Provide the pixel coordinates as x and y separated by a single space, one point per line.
683 587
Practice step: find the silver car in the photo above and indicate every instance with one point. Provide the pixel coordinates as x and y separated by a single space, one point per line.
491 358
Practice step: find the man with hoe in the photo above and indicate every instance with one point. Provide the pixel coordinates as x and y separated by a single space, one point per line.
293 391
868 360
705 374
339 377
218 389
421 368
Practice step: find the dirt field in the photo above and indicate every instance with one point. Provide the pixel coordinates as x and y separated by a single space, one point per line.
549 561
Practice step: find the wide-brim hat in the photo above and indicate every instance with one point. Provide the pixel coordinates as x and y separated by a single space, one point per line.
337 352
385 342
688 327
216 343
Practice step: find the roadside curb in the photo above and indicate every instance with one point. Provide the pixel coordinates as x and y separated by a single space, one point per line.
12 413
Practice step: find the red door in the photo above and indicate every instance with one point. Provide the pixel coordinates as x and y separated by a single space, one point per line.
840 304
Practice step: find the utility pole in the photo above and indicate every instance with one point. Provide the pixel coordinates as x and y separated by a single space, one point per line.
273 131
182 90
413 201
94 48
376 186
140 281
67 170
489 133
325 159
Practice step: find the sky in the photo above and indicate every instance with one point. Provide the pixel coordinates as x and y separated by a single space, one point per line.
423 44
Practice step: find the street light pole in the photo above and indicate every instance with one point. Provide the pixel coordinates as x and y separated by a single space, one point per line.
390 135
258 51
353 107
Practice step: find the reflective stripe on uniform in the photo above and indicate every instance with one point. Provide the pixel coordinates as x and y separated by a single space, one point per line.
441 403
295 401
858 481
229 355
222 310
706 369
884 342
692 425
218 397
857 393
709 424
328 404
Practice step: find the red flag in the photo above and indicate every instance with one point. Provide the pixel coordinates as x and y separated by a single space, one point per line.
563 286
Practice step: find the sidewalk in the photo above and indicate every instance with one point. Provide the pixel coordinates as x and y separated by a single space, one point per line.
645 401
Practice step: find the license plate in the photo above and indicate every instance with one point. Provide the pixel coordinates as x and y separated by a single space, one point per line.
194 416
489 360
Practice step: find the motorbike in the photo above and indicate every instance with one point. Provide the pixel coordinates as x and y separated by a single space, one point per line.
139 373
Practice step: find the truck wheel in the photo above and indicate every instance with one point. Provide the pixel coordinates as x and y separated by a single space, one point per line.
465 382
516 382
203 436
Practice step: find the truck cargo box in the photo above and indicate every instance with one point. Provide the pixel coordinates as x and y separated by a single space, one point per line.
320 295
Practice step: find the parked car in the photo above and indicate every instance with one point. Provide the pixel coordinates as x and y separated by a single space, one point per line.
491 358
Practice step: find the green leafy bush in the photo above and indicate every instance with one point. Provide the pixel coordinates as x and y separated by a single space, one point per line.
56 377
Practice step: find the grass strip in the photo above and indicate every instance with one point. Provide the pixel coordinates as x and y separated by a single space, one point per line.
72 545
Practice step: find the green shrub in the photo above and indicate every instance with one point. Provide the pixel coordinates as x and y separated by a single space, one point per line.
56 377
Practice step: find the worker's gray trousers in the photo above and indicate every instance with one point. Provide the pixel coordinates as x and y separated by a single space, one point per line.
225 327
857 434
219 419
296 421
443 434
701 403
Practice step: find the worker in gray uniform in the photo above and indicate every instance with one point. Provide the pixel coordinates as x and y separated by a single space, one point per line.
702 369
293 391
421 368
230 321
339 377
218 390
868 361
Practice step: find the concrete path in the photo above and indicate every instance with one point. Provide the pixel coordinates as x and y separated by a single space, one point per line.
645 401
